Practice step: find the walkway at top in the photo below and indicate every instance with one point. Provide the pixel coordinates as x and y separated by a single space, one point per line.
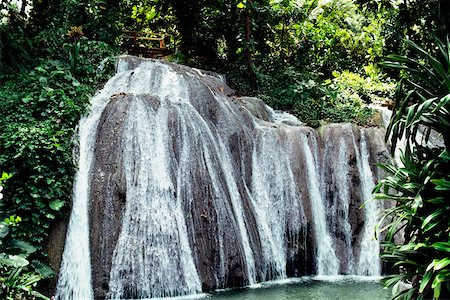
146 44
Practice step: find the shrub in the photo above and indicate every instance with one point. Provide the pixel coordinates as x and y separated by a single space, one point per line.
39 111
421 187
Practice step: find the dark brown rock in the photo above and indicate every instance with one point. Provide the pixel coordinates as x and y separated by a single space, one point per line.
211 139
55 246
107 192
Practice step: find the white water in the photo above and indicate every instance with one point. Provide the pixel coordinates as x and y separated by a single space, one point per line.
169 246
271 198
75 272
224 164
152 257
282 117
327 262
369 260
344 201
155 255
386 114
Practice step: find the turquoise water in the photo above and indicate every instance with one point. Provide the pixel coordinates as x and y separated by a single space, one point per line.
307 288
325 288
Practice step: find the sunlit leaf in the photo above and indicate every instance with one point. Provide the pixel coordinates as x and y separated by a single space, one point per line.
56 204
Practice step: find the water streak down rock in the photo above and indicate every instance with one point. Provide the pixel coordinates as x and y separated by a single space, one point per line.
184 188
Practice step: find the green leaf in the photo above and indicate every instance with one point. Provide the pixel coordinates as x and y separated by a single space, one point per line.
25 247
406 263
39 295
5 176
16 261
40 69
56 204
436 286
417 203
441 184
425 281
241 5
50 216
440 264
4 230
426 223
44 270
392 279
442 246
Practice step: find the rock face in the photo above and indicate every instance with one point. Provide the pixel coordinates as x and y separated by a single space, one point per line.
191 189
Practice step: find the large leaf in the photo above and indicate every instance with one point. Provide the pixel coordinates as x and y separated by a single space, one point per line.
440 264
427 224
442 246
425 281
44 270
15 261
23 246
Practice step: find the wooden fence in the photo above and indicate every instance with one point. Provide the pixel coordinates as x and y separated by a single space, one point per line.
147 44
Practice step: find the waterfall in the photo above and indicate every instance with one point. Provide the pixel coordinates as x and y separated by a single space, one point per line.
182 188
369 261
74 281
327 262
271 198
337 158
344 201
154 236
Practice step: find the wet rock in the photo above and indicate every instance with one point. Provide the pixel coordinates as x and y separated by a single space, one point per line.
107 192
55 246
194 190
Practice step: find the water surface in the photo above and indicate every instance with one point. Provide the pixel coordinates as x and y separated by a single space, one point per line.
324 288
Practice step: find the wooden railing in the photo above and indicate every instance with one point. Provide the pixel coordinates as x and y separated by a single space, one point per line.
147 44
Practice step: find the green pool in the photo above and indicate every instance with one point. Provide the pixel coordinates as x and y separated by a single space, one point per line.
309 288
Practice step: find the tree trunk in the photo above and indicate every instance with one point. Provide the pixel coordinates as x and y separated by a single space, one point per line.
444 19
248 53
23 8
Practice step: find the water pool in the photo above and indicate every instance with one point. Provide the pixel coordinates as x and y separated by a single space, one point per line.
309 288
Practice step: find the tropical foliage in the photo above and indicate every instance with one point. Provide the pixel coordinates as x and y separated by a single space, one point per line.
47 76
18 277
421 187
316 58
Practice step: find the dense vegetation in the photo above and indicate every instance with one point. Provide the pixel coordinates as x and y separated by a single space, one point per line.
421 187
317 59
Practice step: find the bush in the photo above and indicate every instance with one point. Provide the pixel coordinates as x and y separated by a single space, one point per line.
370 88
421 187
39 111
309 98
18 277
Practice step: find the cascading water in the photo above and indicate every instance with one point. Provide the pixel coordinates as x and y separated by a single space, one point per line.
183 189
75 271
340 196
271 198
327 262
153 232
369 262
